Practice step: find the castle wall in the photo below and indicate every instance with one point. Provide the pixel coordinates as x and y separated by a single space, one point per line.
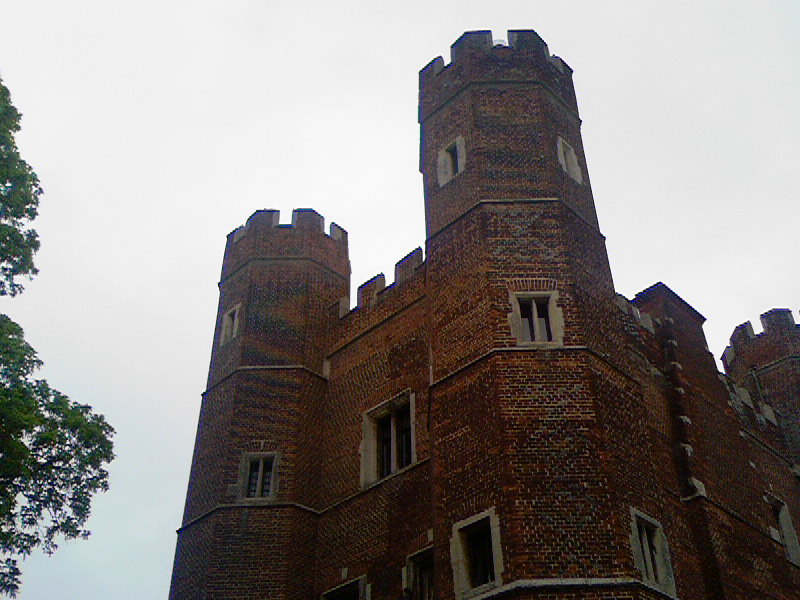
497 391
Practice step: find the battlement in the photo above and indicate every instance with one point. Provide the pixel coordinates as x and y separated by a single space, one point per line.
371 291
475 57
642 319
263 236
779 326
303 219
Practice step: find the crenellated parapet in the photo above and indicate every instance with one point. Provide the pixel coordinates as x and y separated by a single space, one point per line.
373 290
476 59
376 301
748 350
262 237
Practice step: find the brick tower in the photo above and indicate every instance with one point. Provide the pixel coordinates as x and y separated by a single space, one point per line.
497 422
253 469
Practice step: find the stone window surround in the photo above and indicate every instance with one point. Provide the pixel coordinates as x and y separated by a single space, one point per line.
444 160
459 559
244 470
230 324
369 442
785 534
569 160
364 588
556 315
665 579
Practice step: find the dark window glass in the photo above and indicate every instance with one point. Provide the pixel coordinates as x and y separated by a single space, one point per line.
403 423
422 573
266 476
259 477
543 318
647 538
526 313
252 479
478 544
452 152
351 591
384 446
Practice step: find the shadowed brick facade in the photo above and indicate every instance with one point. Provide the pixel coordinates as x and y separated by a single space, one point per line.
498 408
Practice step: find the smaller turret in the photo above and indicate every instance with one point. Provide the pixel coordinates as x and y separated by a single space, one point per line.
767 365
276 286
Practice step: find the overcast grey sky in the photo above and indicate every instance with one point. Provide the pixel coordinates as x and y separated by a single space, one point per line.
158 127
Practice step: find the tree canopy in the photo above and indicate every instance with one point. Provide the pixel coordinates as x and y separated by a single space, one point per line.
19 202
52 449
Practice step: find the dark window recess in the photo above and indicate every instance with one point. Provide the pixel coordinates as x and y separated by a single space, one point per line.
452 153
535 313
403 425
422 576
478 545
259 477
384 426
543 318
351 591
647 538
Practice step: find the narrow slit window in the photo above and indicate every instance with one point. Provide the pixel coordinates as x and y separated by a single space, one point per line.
784 530
651 552
230 325
452 153
647 538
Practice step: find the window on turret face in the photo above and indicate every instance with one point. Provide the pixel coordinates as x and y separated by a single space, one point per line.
257 476
478 544
783 530
475 553
535 316
388 442
230 325
451 161
569 160
651 553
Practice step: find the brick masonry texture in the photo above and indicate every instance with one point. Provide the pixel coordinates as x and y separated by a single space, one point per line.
560 440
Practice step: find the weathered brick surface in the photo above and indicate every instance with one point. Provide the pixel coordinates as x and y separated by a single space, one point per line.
560 441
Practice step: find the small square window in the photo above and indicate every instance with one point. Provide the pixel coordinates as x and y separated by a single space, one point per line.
536 317
388 443
451 161
475 553
230 325
569 161
651 553
257 476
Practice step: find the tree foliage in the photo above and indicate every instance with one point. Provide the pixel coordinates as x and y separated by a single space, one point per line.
52 450
19 201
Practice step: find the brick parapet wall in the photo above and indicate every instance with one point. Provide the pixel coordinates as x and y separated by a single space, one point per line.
767 365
